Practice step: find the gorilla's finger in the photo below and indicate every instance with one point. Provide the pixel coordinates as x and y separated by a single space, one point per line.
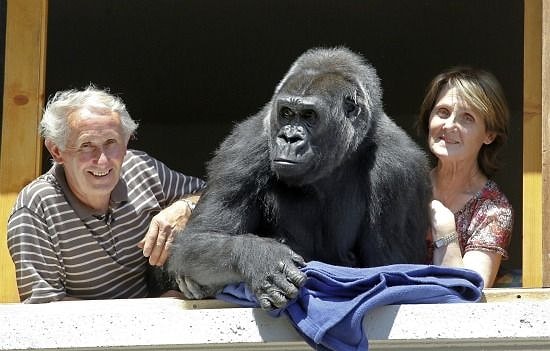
270 296
298 260
189 288
183 287
278 299
287 288
264 302
293 274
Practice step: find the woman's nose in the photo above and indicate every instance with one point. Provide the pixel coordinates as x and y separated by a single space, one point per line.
450 122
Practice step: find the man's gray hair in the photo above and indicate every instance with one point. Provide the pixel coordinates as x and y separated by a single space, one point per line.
54 123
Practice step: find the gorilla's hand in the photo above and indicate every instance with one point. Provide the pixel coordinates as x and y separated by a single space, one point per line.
193 290
271 270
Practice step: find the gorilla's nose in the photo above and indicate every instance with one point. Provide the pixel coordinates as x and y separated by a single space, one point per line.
292 134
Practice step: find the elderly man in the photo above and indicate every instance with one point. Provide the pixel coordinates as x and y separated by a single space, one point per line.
87 227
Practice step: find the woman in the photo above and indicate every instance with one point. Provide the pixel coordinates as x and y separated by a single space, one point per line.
465 116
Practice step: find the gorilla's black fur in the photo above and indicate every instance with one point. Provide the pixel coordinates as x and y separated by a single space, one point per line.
321 173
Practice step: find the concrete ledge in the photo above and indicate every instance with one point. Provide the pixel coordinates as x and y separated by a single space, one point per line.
171 324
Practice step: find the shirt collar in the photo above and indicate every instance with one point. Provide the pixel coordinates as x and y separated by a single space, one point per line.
118 195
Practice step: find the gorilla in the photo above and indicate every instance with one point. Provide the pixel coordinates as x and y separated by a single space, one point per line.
320 173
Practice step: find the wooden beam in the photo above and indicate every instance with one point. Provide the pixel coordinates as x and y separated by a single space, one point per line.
21 148
532 144
546 143
515 294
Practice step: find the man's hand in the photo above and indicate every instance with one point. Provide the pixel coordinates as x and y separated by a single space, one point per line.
158 240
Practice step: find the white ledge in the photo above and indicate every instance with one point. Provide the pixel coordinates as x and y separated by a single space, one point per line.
171 324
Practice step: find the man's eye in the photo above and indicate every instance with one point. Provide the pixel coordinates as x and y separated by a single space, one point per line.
86 147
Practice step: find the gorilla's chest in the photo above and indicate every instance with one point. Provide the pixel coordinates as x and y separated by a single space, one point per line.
318 227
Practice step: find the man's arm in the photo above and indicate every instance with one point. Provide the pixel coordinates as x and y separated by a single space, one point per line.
38 271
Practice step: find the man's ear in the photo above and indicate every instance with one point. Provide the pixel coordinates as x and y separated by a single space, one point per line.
54 151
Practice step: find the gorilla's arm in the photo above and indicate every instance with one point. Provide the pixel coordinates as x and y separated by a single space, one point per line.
400 193
216 247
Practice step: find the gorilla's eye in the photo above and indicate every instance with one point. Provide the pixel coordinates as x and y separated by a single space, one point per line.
309 114
351 108
286 112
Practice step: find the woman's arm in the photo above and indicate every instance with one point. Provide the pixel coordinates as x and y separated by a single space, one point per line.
483 262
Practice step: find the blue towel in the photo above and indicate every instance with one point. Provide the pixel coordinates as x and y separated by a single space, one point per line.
330 307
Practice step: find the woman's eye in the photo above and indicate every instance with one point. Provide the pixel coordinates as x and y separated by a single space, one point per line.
469 118
443 113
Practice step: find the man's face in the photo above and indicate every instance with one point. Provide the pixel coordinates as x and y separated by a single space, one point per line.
93 156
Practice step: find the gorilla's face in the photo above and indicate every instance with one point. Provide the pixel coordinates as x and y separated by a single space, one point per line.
316 121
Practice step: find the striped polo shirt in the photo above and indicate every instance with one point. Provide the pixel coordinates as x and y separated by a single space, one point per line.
61 247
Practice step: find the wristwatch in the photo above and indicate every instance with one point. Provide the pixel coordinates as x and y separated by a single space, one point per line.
189 203
446 240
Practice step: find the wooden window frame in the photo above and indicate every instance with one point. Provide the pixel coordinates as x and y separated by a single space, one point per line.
21 147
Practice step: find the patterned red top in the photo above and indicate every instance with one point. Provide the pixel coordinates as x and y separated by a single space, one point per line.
485 222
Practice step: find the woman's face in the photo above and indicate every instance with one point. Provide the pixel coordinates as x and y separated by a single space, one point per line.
456 130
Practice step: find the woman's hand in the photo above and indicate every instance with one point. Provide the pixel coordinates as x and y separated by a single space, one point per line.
443 220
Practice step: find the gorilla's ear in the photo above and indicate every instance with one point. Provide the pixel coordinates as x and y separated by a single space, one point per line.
351 108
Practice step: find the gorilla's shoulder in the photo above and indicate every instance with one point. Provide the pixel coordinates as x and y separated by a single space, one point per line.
244 152
395 145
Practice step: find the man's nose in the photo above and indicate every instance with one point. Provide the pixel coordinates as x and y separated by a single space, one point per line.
102 156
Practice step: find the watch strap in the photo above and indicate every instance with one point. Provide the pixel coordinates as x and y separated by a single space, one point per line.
446 240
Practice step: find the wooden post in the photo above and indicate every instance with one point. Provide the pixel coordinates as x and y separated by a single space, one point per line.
21 149
545 143
536 134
